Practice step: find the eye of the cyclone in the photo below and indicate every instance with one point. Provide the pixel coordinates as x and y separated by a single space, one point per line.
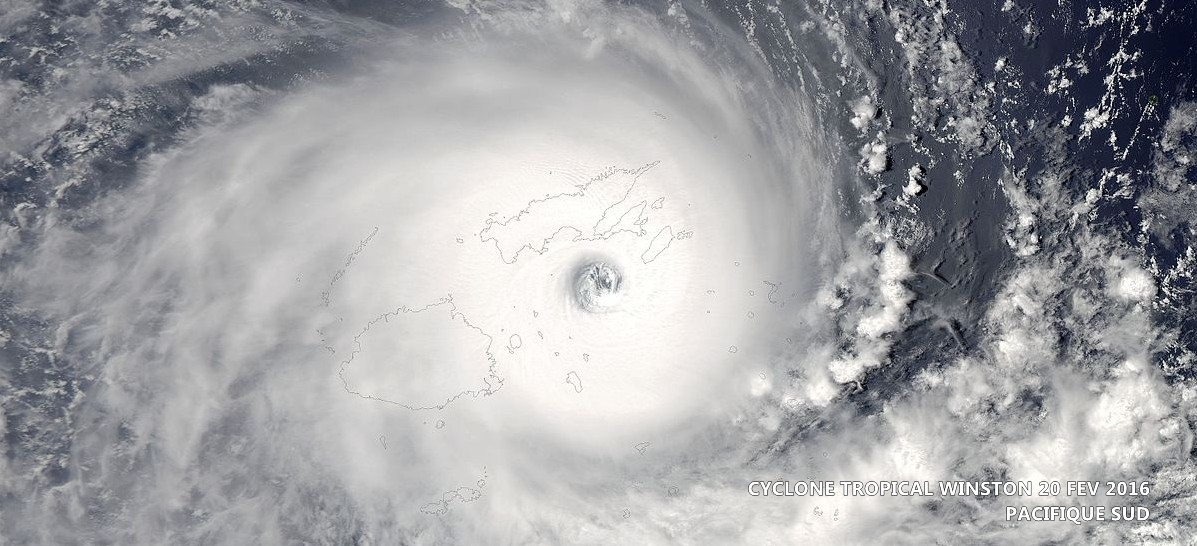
598 287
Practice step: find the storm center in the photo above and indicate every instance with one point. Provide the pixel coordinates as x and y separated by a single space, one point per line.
597 287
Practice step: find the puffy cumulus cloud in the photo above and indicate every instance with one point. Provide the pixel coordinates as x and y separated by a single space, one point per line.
1130 282
1065 385
1066 391
863 112
870 300
1099 430
874 156
1174 157
1168 203
1034 407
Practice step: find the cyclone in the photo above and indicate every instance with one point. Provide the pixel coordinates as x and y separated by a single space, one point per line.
577 272
464 182
556 233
